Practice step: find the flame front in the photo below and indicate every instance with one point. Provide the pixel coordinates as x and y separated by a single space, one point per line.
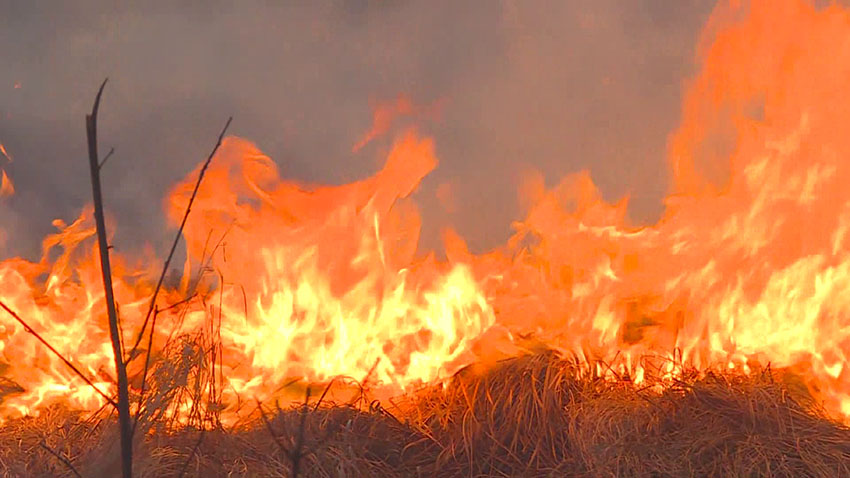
746 267
324 282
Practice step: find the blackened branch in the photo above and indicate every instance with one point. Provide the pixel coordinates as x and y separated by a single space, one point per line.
114 331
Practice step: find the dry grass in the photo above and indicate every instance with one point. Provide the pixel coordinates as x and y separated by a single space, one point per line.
530 416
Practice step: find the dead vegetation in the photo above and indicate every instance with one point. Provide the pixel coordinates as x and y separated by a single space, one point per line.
535 415
530 416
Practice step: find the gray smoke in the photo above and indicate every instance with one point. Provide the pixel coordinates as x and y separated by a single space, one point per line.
552 85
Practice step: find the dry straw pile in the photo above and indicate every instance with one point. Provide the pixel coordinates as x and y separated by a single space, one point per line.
530 416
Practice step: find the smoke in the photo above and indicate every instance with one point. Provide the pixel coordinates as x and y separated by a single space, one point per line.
547 85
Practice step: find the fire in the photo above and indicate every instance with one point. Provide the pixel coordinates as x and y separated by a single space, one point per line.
5 153
308 284
746 268
330 273
7 188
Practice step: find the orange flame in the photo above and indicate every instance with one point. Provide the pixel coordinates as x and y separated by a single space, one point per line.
335 279
5 153
382 118
751 268
6 186
755 268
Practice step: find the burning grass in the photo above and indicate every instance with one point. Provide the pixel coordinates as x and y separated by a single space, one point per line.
537 415
327 281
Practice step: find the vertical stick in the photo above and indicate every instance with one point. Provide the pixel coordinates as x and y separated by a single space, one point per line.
114 332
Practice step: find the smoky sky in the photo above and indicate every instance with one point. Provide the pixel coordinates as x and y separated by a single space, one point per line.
558 86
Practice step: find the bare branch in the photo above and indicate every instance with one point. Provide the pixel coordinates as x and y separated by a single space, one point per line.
56 352
61 458
114 331
165 267
145 373
298 452
285 449
106 158
178 236
192 454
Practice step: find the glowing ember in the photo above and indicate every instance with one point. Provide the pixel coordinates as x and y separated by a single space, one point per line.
313 283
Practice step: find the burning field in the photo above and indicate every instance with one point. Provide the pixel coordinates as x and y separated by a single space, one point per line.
309 333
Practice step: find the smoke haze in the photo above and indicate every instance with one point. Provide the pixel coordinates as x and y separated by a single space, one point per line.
550 85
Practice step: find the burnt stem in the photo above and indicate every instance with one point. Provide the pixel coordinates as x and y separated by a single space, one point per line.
152 306
114 331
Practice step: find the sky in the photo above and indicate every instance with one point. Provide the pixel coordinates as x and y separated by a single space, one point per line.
554 86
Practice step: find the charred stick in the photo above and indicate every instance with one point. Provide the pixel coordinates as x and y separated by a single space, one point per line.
298 451
324 393
285 449
105 158
56 352
192 454
145 373
61 458
179 235
114 331
165 266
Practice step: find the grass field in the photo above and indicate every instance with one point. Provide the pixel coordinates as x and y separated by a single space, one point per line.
528 416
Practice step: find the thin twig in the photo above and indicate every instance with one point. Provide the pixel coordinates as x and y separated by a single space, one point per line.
180 233
178 303
297 452
192 455
56 352
280 444
61 458
114 331
145 372
165 266
324 393
106 158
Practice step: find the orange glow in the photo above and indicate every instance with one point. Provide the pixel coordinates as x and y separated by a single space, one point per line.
334 277
383 116
6 186
748 266
5 153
